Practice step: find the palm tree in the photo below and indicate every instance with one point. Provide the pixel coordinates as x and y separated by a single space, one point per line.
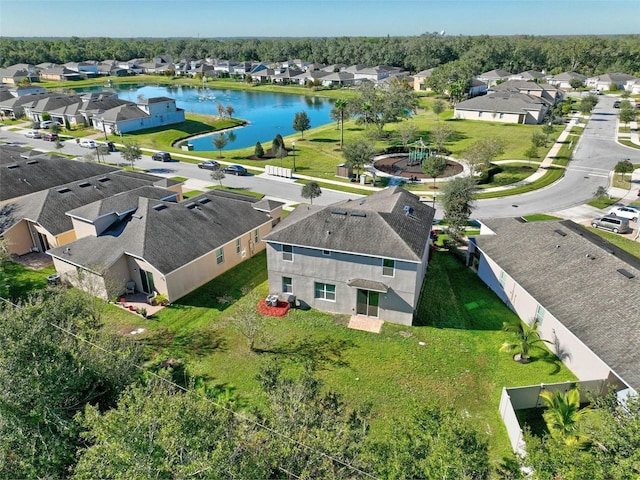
563 414
341 107
526 336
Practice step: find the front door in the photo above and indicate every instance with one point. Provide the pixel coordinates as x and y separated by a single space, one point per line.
367 303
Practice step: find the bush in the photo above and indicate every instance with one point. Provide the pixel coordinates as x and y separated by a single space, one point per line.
488 174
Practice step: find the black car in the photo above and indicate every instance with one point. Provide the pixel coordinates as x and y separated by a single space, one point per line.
209 165
161 157
235 170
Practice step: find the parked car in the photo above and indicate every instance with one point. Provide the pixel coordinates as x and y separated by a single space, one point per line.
615 224
50 137
616 104
87 143
628 212
161 157
209 165
235 170
48 123
33 134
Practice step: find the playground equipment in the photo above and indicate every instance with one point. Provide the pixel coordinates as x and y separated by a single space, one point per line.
418 151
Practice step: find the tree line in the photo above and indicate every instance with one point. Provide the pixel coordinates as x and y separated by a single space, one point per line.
589 55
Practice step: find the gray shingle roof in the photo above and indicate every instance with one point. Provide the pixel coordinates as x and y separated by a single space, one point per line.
576 280
32 174
158 235
377 225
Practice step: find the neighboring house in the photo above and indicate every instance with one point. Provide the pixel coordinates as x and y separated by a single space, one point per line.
52 104
477 87
147 113
359 257
38 222
528 75
18 73
338 79
287 76
563 80
15 106
493 77
543 90
582 291
86 69
310 75
633 86
143 239
59 74
606 81
24 171
504 107
420 80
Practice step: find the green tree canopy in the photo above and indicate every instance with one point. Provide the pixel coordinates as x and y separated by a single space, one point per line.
458 200
358 153
311 190
301 122
131 152
434 166
219 142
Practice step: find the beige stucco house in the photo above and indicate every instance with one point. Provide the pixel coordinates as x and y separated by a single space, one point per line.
504 106
165 247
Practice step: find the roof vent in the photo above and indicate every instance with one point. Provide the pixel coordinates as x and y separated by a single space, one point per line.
190 205
104 179
159 207
626 273
32 162
561 232
408 210
363 201
590 257
84 184
64 190
339 212
204 201
358 214
13 165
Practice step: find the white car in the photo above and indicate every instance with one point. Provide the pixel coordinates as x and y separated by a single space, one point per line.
48 123
630 212
33 134
86 143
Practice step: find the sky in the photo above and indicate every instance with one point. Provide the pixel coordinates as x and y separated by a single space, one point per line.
314 18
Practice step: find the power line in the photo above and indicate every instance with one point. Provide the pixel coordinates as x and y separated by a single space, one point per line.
233 412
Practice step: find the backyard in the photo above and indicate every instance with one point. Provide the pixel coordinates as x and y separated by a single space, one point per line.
451 358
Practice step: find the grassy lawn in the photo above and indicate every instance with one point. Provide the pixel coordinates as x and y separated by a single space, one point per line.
459 363
552 174
624 243
511 173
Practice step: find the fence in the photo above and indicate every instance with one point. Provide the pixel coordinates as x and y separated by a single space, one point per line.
519 398
277 171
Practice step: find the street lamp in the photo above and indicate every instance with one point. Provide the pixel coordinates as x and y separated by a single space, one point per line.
293 146
104 130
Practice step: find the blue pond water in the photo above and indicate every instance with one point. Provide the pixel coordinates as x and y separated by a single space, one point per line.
267 113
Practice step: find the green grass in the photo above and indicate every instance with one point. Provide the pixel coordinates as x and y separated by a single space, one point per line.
179 179
626 244
539 217
21 280
628 143
602 202
459 364
511 173
552 175
191 193
347 188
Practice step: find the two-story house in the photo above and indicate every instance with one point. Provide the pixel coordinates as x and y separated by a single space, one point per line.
360 257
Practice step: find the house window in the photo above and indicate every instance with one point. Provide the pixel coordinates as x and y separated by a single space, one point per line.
287 253
388 267
503 278
219 255
287 285
238 246
256 237
325 291
540 313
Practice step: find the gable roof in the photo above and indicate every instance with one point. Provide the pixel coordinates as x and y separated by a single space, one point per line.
575 278
156 228
377 225
494 75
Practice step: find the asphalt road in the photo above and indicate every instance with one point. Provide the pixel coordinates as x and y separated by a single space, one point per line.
593 159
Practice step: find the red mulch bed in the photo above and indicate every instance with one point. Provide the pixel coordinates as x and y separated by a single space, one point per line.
279 311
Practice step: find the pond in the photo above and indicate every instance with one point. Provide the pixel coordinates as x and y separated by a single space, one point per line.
267 113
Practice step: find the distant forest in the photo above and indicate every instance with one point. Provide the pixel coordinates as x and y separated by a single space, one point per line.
589 55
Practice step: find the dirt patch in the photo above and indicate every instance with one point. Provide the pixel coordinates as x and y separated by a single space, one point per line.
398 167
34 260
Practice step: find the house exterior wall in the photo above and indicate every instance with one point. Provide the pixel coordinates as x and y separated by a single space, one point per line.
204 269
583 362
18 238
84 228
167 118
312 265
489 116
81 278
